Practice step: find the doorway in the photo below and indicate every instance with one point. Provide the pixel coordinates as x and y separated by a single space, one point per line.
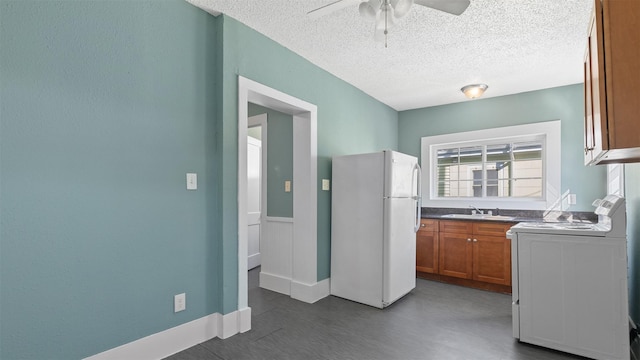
256 187
303 284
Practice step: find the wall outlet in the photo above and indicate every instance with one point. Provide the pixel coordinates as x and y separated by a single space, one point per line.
326 185
179 302
572 199
287 186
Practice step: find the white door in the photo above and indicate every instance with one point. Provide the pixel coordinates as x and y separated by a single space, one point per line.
254 181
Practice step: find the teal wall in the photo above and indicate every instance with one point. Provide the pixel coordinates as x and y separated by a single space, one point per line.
279 160
349 121
105 106
563 103
632 193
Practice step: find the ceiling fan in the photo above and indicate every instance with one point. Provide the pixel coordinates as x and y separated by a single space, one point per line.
385 13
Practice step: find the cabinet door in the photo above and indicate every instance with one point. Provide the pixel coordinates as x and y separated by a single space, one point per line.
453 226
588 108
455 255
600 140
427 252
491 228
492 259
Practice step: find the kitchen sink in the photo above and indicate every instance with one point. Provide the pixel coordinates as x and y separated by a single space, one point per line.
479 217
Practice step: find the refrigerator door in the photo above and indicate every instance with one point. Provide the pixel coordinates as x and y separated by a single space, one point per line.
400 175
357 232
399 263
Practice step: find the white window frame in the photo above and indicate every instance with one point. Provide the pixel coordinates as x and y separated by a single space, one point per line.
551 170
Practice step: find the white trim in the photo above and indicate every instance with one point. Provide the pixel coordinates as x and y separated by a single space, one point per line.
254 260
552 172
310 293
244 320
305 192
278 219
243 266
279 284
304 252
181 337
260 120
229 324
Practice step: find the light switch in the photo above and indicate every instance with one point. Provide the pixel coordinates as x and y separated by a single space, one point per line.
179 302
192 181
287 186
325 184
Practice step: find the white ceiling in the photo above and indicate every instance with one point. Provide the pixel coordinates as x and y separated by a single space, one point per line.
512 45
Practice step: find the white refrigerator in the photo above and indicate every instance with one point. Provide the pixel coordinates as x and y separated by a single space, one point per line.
375 214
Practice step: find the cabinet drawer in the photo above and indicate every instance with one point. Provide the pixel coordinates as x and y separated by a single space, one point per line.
428 225
491 228
458 227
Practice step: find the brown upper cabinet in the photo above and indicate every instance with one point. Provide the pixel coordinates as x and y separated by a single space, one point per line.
612 83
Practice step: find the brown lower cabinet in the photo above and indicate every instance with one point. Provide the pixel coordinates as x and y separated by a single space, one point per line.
427 243
468 253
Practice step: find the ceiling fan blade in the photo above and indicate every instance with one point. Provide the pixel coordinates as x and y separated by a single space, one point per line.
455 7
331 7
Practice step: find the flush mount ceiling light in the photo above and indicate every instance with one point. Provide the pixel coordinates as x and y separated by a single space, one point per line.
385 13
474 91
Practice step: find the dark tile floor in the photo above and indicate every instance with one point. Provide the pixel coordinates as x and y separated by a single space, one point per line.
435 321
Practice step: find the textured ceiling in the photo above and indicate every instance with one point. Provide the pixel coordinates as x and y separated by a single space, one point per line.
512 45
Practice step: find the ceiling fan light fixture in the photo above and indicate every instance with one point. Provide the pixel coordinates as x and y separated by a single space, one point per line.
368 10
474 91
401 7
385 18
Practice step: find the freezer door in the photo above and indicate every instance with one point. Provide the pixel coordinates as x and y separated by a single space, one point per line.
400 175
399 254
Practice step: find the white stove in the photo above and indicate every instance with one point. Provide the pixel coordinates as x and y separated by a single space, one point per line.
568 228
569 283
611 213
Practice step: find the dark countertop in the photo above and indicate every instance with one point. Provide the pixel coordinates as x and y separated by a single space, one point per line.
518 215
514 220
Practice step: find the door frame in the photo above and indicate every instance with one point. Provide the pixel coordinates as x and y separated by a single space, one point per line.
304 281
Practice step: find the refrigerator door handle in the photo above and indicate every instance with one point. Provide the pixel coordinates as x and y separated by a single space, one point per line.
418 197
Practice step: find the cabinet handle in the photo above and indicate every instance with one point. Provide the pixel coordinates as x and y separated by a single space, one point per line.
422 225
475 240
469 240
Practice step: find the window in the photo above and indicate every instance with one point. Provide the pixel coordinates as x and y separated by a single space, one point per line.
494 169
509 167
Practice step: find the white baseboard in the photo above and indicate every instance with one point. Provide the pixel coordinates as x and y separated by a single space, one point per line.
310 293
275 283
244 320
181 337
253 261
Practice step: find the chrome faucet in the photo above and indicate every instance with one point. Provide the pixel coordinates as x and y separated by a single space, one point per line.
476 209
